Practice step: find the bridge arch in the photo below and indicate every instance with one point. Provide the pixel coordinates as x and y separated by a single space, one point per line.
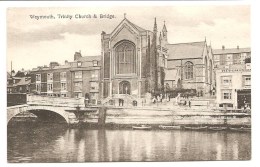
43 113
48 112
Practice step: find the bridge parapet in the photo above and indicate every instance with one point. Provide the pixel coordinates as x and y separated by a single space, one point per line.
54 101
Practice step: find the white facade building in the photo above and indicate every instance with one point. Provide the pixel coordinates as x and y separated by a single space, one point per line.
233 86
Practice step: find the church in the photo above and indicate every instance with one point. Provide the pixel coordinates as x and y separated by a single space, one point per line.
136 61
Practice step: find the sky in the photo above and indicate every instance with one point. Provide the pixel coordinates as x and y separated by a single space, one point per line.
32 42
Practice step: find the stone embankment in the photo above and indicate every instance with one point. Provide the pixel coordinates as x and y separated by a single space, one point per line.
155 116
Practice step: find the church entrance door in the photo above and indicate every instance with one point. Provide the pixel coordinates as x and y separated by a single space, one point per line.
124 87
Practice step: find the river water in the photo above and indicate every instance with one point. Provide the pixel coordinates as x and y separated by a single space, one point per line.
56 143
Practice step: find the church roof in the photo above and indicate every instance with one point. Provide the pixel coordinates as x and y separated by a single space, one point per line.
186 50
233 50
135 26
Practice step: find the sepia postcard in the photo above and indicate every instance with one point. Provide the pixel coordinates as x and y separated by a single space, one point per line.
158 83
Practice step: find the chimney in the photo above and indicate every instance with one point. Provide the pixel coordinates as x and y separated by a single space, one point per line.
77 55
237 46
66 62
53 64
223 47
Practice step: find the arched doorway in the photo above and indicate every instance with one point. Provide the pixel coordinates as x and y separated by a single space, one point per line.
124 87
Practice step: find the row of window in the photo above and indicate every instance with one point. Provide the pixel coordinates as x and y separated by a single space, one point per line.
236 58
232 56
78 75
77 85
95 63
50 76
227 80
50 87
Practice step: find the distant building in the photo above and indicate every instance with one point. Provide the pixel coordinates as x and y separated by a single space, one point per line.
233 86
79 78
227 56
190 66
136 61
18 82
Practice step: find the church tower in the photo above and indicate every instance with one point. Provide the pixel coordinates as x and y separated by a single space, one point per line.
164 32
153 60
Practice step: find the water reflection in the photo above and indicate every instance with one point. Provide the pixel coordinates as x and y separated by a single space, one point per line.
58 144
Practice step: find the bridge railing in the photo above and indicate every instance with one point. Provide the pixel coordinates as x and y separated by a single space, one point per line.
54 101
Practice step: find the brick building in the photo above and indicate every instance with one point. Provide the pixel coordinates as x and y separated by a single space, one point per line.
79 78
227 56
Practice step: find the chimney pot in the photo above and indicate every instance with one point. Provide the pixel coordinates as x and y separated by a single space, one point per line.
223 47
237 46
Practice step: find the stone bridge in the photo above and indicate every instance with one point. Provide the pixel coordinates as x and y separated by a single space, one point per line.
52 108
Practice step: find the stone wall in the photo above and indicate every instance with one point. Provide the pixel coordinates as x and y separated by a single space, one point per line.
170 117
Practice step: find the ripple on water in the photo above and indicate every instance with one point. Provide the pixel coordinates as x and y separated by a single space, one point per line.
49 144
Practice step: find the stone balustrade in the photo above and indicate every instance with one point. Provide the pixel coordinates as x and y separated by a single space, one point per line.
55 101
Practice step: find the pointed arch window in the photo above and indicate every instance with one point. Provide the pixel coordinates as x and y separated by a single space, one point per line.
125 58
188 70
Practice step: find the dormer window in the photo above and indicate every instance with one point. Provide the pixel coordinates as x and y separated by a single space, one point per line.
95 63
79 64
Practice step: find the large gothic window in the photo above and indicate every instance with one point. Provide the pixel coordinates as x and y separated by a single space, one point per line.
188 70
125 58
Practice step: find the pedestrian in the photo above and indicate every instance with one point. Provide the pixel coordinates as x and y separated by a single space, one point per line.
189 103
154 100
158 98
119 102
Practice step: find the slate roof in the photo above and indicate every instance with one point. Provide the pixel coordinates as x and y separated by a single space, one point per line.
233 50
89 58
48 68
186 50
23 81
